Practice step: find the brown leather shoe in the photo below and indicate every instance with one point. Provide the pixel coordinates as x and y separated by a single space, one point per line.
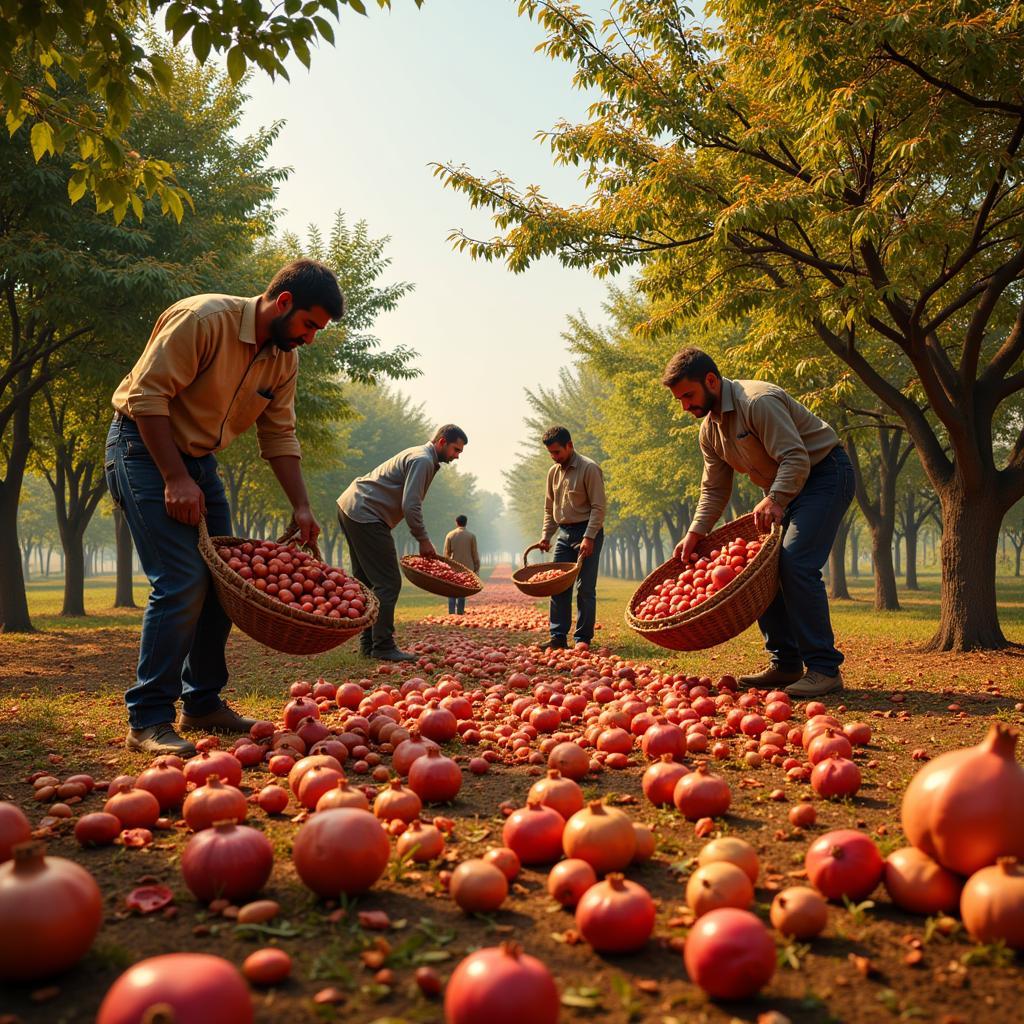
770 677
816 684
224 719
158 739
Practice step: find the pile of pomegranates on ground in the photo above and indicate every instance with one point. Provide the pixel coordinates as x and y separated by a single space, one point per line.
694 585
440 569
361 762
296 578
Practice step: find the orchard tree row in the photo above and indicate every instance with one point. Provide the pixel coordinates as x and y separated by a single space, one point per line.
840 186
619 414
81 290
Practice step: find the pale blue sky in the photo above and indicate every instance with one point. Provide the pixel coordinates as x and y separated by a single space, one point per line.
455 80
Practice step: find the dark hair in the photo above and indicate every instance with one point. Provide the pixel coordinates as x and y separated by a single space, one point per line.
689 364
557 435
311 283
449 432
461 520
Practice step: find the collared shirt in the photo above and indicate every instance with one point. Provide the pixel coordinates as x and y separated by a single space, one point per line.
574 494
460 544
761 431
203 368
394 490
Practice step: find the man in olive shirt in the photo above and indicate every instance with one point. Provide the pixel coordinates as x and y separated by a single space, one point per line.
757 428
371 507
460 544
213 366
574 505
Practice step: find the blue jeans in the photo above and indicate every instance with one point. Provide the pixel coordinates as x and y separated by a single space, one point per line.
586 586
184 628
796 626
456 606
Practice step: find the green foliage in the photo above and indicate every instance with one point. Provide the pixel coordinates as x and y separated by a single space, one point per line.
847 175
118 69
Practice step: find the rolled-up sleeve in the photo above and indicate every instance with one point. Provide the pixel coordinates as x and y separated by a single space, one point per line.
275 426
782 441
593 478
715 488
415 488
168 365
549 527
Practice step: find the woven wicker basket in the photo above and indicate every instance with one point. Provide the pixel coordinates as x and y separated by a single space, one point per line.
443 588
727 613
521 577
280 626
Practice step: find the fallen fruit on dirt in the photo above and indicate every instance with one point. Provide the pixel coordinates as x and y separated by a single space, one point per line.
193 987
955 808
844 863
730 954
616 915
341 850
501 985
992 903
51 909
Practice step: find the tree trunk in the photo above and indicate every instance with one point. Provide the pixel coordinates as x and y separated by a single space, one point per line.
911 578
897 552
854 539
969 614
1017 551
14 614
838 588
74 574
880 511
124 596
659 548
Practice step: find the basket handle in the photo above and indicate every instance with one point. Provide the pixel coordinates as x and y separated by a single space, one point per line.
291 532
532 547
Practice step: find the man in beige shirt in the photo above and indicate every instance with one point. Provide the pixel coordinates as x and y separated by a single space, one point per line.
213 366
574 505
756 428
460 544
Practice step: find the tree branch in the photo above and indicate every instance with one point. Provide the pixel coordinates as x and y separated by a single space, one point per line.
1001 106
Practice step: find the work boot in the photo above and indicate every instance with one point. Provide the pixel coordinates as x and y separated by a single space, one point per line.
224 719
158 739
769 678
394 654
816 684
556 643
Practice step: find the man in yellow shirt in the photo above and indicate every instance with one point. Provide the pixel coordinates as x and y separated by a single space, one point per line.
460 544
213 366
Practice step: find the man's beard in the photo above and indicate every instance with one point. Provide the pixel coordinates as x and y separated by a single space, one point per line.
707 403
278 332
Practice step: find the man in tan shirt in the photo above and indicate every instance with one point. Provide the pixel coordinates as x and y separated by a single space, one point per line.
460 544
213 366
574 505
756 428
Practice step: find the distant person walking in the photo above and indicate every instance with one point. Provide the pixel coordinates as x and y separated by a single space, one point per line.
574 505
754 427
214 365
460 544
371 507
